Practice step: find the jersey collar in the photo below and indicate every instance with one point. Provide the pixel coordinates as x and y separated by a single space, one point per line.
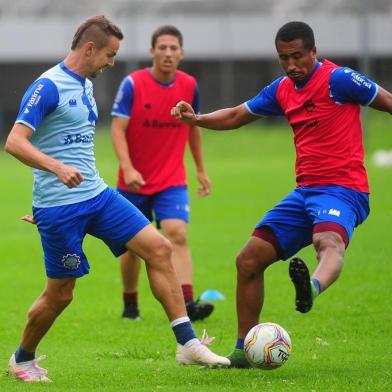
302 84
73 74
161 83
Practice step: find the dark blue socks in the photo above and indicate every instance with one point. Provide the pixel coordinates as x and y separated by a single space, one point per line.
183 330
23 356
240 343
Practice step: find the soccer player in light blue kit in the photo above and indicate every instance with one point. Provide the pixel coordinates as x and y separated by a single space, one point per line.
54 134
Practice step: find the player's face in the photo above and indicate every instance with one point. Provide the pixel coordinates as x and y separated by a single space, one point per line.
297 61
166 54
103 58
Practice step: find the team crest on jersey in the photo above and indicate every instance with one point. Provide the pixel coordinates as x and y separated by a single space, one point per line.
72 103
71 262
309 105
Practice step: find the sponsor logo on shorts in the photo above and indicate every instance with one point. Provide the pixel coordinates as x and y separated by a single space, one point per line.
332 211
182 207
71 262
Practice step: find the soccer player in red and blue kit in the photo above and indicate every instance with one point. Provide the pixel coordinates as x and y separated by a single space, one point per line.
322 103
150 145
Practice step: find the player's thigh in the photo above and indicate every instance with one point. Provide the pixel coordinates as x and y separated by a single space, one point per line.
60 290
290 223
117 221
256 255
175 230
62 230
150 245
337 205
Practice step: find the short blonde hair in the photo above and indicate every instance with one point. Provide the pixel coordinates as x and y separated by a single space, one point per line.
97 29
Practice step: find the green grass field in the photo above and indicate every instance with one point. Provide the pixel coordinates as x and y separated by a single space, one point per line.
343 344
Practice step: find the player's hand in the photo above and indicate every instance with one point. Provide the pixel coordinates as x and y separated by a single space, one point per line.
28 218
184 112
133 180
69 175
205 183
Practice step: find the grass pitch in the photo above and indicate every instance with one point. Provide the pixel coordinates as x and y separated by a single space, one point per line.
343 344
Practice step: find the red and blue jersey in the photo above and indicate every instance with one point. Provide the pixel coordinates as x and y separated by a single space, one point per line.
156 141
324 113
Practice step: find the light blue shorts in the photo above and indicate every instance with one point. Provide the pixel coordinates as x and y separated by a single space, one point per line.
108 216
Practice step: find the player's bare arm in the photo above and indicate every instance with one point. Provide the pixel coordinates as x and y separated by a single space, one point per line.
197 153
383 101
132 178
20 147
223 119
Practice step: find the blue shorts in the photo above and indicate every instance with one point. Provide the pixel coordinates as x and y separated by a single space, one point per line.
171 203
107 216
292 220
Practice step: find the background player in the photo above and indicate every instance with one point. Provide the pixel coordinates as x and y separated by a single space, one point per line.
54 134
322 104
150 146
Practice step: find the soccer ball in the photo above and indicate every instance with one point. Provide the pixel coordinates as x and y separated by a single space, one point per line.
267 346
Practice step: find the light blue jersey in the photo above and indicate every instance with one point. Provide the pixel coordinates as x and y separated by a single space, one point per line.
60 109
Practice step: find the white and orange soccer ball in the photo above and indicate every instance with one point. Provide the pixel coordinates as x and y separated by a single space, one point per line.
267 346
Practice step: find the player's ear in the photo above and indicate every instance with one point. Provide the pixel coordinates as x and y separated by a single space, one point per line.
89 48
314 52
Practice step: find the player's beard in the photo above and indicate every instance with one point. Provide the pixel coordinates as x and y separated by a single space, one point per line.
296 77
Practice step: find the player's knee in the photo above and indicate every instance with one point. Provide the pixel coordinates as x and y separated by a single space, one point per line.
162 249
64 302
329 240
52 302
178 236
246 264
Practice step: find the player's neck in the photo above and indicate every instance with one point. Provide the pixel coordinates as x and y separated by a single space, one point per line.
162 77
74 63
